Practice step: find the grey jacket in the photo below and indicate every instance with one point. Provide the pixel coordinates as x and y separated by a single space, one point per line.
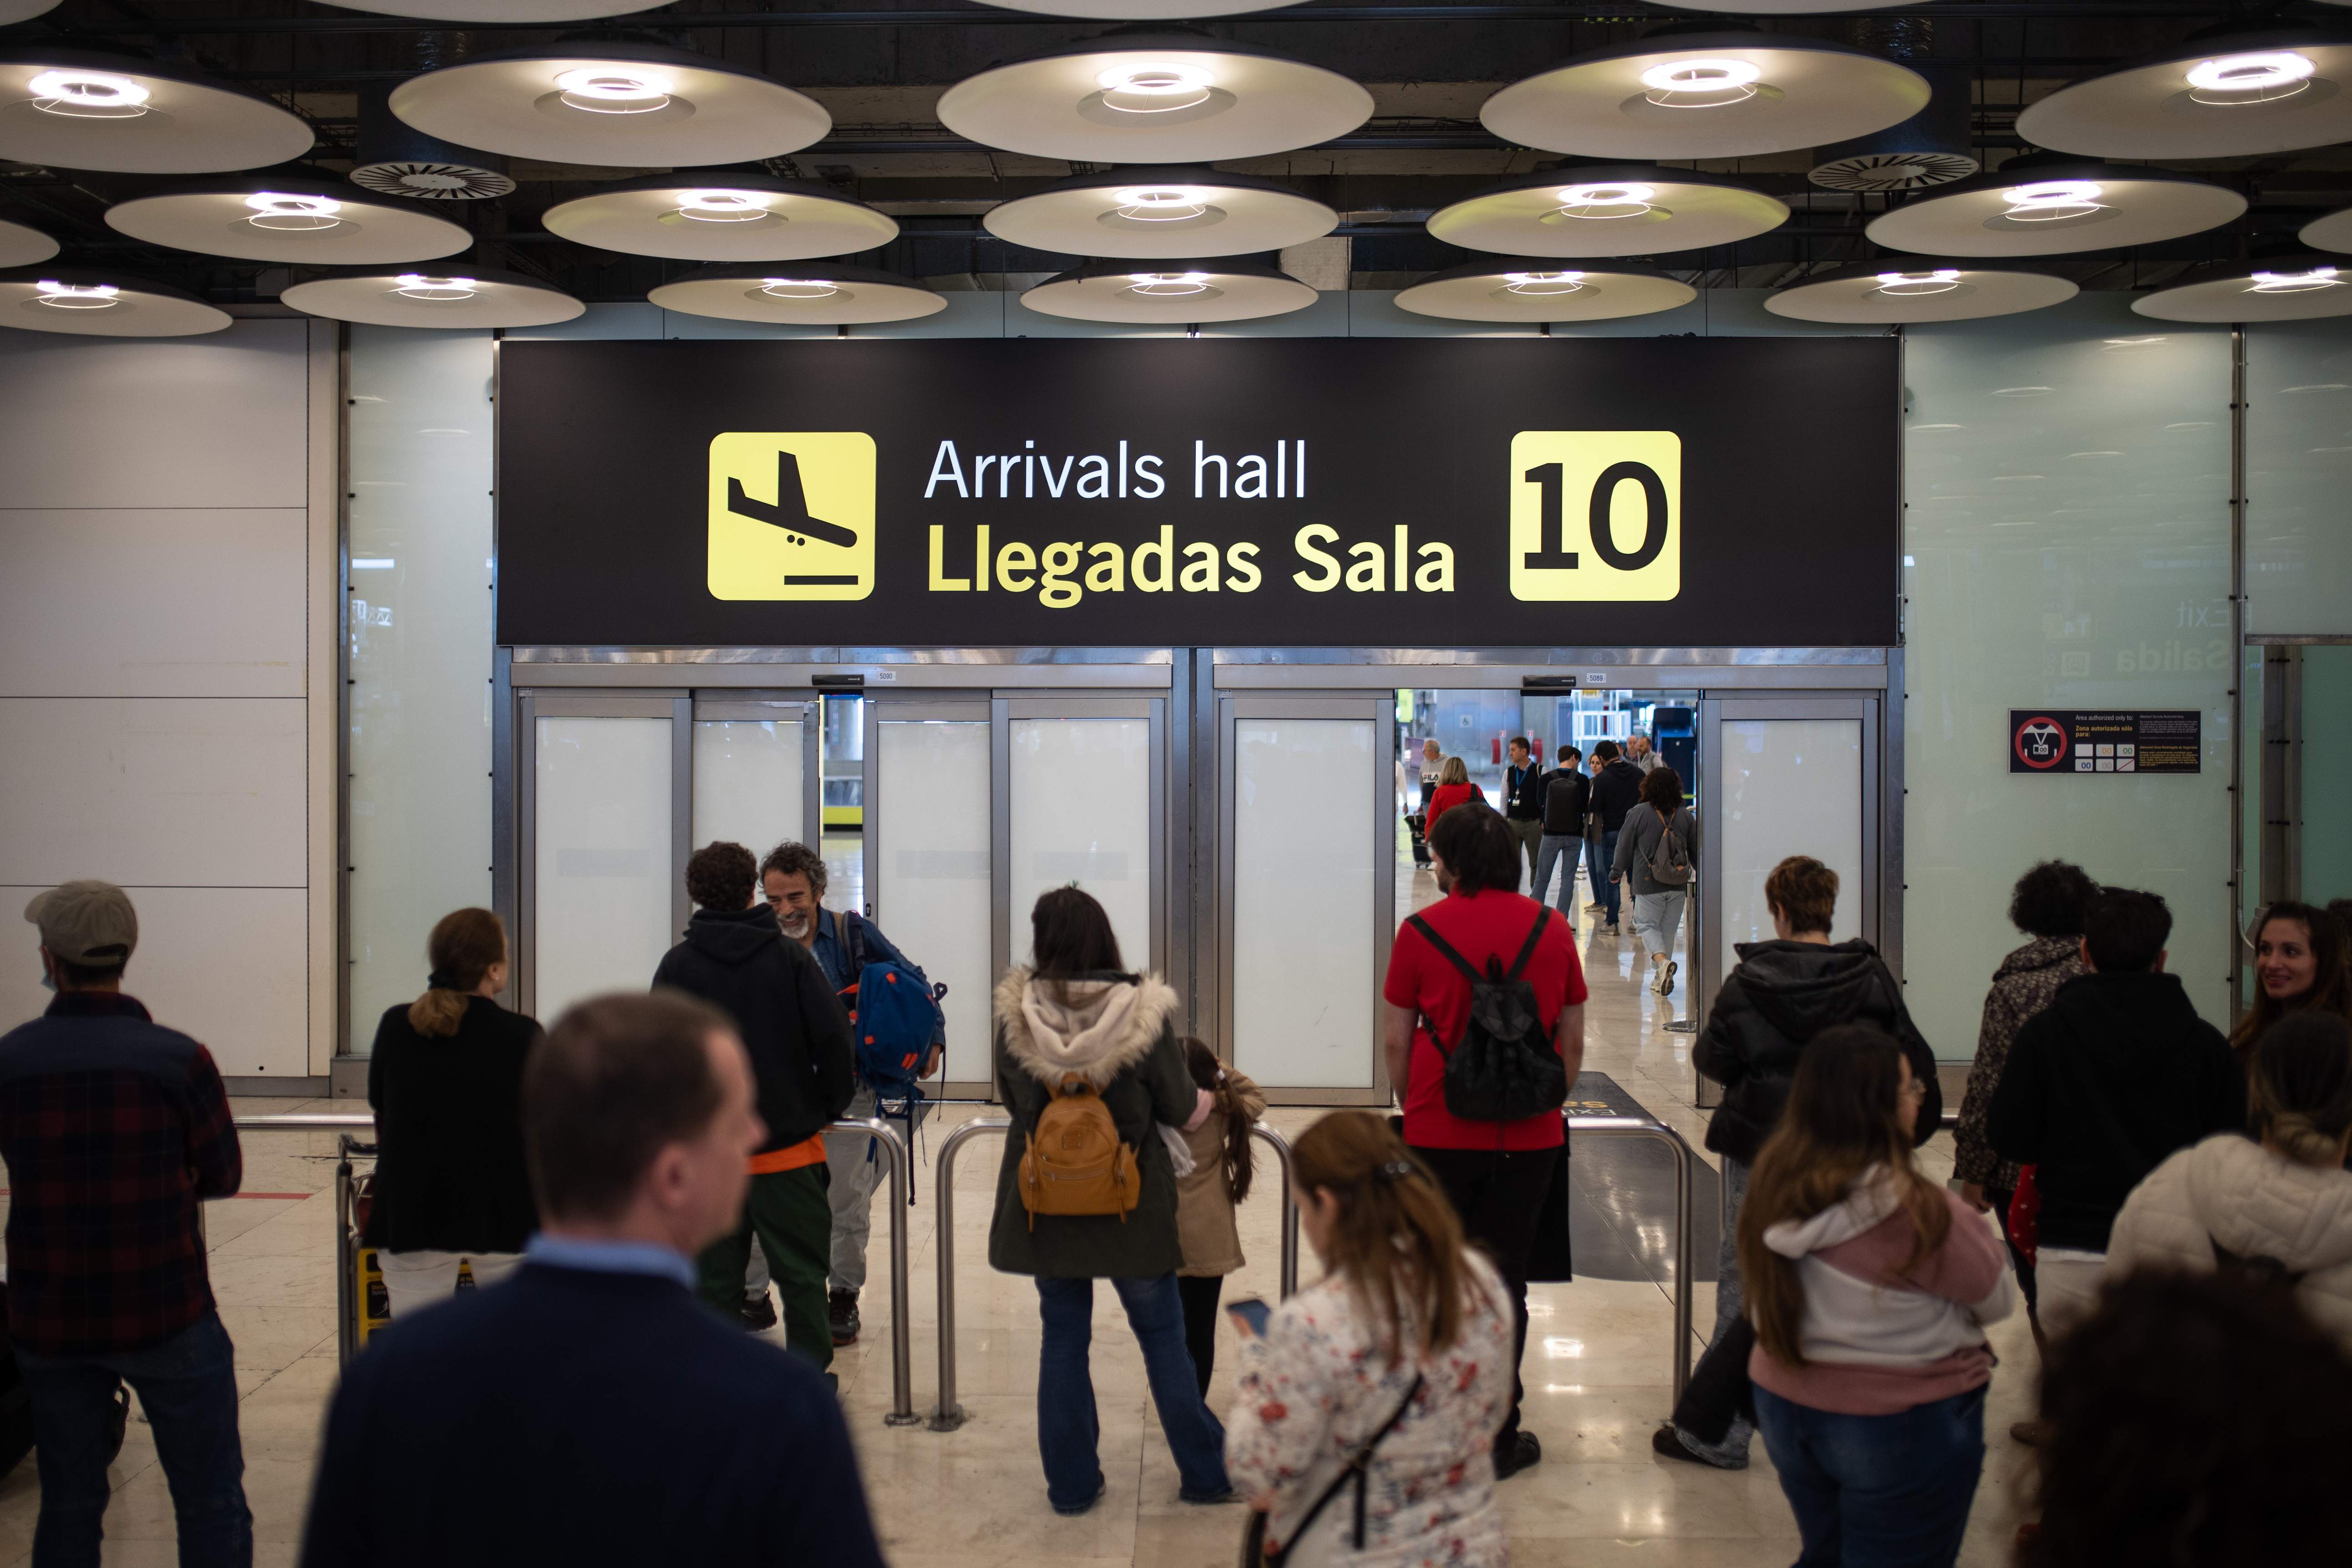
1118 1034
1637 843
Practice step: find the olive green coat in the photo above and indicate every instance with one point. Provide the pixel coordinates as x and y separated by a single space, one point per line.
1133 1061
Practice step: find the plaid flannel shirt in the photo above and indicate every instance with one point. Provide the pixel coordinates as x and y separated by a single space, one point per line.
115 1130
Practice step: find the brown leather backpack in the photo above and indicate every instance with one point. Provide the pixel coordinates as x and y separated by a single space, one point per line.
1076 1163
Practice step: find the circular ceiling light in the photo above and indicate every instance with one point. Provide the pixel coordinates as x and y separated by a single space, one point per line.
456 294
1148 99
711 215
24 10
105 304
1170 293
1141 10
288 217
2038 206
2332 232
1608 210
72 109
1899 289
1707 95
495 11
21 246
600 102
2294 287
2230 94
1778 7
813 294
1530 288
1160 211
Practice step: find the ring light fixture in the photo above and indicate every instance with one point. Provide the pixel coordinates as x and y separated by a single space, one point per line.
2045 206
74 109
581 100
2226 94
1143 97
2293 288
1531 289
455 294
24 10
1160 211
1186 291
808 293
721 214
1707 95
21 246
2331 231
1902 288
283 217
94 302
1605 210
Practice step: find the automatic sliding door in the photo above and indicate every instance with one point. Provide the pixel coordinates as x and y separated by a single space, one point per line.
1084 808
929 860
754 771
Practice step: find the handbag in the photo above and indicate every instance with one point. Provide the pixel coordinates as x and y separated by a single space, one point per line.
1256 1554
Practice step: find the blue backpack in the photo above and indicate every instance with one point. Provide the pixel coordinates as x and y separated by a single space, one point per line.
893 1015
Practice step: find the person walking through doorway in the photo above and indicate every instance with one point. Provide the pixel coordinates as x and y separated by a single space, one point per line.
1567 795
1616 790
1657 856
1523 800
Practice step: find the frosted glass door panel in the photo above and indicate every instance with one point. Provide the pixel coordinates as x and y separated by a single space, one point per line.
1302 950
1081 812
747 782
932 888
1791 786
602 889
2326 755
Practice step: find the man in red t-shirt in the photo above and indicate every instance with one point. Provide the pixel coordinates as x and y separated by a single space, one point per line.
1496 1172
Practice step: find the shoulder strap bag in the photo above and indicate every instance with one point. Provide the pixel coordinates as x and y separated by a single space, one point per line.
1256 1554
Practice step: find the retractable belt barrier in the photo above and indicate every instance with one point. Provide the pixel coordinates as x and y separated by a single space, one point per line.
353 1263
948 1414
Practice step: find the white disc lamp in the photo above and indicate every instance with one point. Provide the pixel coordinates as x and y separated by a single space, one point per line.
450 294
1707 95
2041 205
1902 288
496 11
289 218
2227 95
621 104
1536 289
21 246
1170 292
799 293
1146 98
2332 232
2293 288
100 303
1138 212
1609 209
717 215
24 10
72 109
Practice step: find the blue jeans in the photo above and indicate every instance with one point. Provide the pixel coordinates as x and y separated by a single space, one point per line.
1877 1491
1550 849
1067 1425
1604 891
188 1388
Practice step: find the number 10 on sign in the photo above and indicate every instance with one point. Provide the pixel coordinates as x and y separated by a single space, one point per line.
1596 514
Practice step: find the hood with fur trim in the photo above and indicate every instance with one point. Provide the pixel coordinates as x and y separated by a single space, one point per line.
1108 1024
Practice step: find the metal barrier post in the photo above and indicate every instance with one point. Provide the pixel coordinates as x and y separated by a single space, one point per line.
1640 1127
347 1262
1281 1147
948 1415
902 1354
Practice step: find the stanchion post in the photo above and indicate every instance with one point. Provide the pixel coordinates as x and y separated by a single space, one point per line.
1685 1246
948 1414
347 1263
902 1333
1281 1147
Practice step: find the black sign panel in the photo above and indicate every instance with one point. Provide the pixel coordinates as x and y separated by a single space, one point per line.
992 492
2053 741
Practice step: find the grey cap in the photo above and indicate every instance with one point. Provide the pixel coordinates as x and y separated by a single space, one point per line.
88 922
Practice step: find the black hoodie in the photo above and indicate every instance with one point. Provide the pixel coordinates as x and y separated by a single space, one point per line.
785 1009
2101 1088
1616 790
1775 1000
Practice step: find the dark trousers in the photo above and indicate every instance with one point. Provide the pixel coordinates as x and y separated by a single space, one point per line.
1605 891
2018 1260
1499 1196
187 1386
1201 1294
791 1214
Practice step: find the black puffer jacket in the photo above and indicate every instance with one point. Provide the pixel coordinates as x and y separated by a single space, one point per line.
785 1009
1779 997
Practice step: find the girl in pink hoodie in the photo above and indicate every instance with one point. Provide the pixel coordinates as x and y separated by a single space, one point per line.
1868 1286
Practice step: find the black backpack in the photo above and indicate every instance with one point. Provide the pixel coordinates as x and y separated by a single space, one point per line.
1505 1066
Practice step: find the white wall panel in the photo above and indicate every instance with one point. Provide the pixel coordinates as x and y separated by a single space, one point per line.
218 420
152 792
227 966
109 602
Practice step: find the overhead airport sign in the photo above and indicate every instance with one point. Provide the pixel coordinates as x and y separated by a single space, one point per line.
991 492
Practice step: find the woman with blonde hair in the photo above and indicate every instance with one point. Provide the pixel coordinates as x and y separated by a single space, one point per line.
1363 1421
446 1081
1453 787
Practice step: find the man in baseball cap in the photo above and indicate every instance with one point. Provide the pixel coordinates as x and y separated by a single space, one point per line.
115 1131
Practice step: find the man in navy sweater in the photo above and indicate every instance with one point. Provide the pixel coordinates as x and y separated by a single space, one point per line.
590 1411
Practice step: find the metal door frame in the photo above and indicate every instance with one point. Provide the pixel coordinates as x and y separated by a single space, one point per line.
1232 708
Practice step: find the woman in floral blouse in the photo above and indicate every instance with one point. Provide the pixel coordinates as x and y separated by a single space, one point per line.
1405 1319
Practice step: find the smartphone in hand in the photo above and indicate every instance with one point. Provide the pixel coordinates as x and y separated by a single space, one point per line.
1249 1315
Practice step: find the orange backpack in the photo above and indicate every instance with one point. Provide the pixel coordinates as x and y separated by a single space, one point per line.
1076 1163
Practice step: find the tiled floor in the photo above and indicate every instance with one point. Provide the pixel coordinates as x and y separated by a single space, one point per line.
1597 1371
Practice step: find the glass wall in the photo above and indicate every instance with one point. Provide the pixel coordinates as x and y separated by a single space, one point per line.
2298 478
2066 544
603 882
1081 817
1791 786
932 869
